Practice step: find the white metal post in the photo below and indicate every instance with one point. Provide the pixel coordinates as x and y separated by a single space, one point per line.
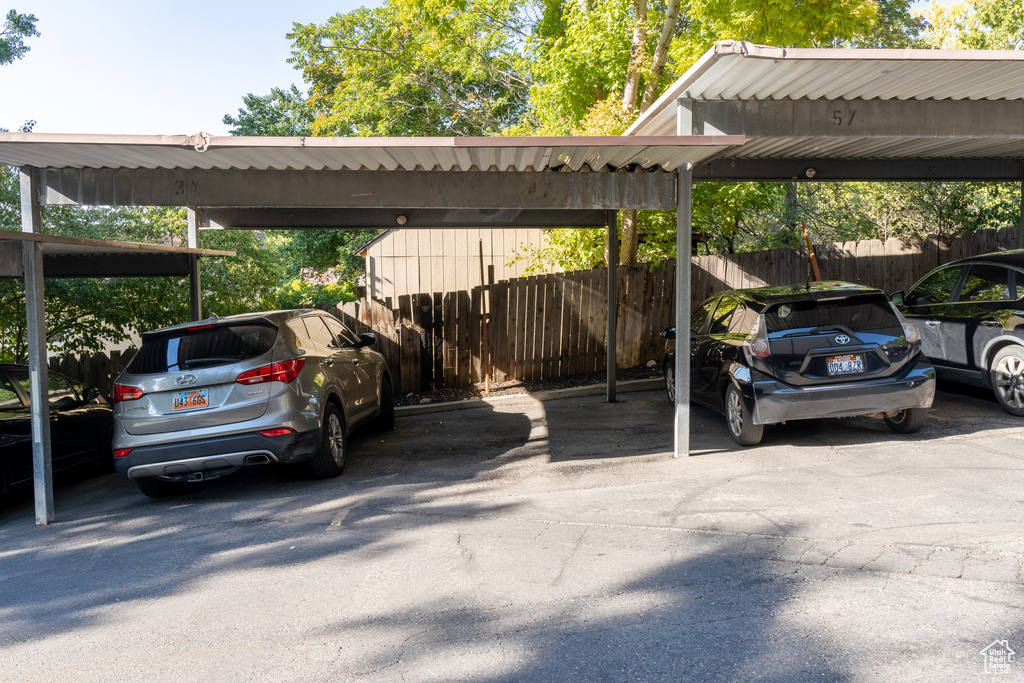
35 321
684 214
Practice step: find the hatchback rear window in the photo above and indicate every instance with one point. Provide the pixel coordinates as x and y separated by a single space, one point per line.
204 347
858 313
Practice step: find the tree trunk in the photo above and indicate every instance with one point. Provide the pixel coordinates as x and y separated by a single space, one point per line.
636 49
630 226
668 29
630 239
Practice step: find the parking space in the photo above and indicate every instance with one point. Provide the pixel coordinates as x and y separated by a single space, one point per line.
544 541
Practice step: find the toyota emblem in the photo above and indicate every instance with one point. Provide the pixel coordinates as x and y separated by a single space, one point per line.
842 339
186 380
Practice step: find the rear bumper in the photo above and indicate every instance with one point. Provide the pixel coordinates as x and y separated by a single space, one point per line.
774 401
216 456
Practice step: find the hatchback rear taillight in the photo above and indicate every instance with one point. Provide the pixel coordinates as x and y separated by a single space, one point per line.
756 343
285 371
911 332
126 393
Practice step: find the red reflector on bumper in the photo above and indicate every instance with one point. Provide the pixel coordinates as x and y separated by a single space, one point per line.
283 431
121 452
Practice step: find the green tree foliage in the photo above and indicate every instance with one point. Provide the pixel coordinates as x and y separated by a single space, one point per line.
596 64
16 28
287 113
896 25
838 212
281 113
990 25
416 67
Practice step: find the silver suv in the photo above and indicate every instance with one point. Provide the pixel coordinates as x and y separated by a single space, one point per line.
203 399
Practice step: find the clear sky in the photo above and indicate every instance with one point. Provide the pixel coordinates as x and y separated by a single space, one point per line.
151 67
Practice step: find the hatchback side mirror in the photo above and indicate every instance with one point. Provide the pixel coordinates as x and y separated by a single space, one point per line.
669 333
90 394
897 297
365 339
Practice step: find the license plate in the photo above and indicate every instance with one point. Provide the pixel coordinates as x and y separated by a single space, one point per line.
196 398
845 365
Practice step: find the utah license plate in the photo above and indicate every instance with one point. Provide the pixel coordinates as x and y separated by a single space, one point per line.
195 398
845 365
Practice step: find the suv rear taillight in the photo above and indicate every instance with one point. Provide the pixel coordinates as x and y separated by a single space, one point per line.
756 343
126 393
285 371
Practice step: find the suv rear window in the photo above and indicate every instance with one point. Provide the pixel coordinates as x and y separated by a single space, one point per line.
187 350
856 313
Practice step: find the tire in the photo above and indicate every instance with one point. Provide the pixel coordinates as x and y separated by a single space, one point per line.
670 381
158 488
385 422
739 421
330 460
1007 377
908 421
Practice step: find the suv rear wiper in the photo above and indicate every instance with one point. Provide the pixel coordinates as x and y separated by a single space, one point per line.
199 362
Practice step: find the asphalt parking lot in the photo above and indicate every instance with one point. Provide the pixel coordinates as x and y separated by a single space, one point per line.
554 541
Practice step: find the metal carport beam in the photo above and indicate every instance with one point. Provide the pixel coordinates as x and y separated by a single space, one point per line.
400 190
272 218
969 119
818 170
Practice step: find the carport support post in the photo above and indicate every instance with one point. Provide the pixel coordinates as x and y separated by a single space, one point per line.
613 301
35 320
194 284
684 214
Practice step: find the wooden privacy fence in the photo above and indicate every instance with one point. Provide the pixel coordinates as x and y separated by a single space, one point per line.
554 325
539 327
94 370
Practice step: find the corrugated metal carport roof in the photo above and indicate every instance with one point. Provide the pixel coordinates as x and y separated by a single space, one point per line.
659 153
921 99
65 256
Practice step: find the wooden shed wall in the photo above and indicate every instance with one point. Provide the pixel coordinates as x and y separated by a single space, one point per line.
435 260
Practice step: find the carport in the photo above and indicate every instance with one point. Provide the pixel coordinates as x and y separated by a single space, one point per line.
268 183
743 112
841 115
33 256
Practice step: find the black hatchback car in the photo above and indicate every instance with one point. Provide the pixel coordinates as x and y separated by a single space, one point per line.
823 349
81 426
971 316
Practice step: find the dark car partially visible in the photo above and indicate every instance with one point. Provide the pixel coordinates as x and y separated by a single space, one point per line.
825 349
971 316
81 426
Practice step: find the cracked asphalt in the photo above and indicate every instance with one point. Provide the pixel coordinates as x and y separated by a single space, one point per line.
554 541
